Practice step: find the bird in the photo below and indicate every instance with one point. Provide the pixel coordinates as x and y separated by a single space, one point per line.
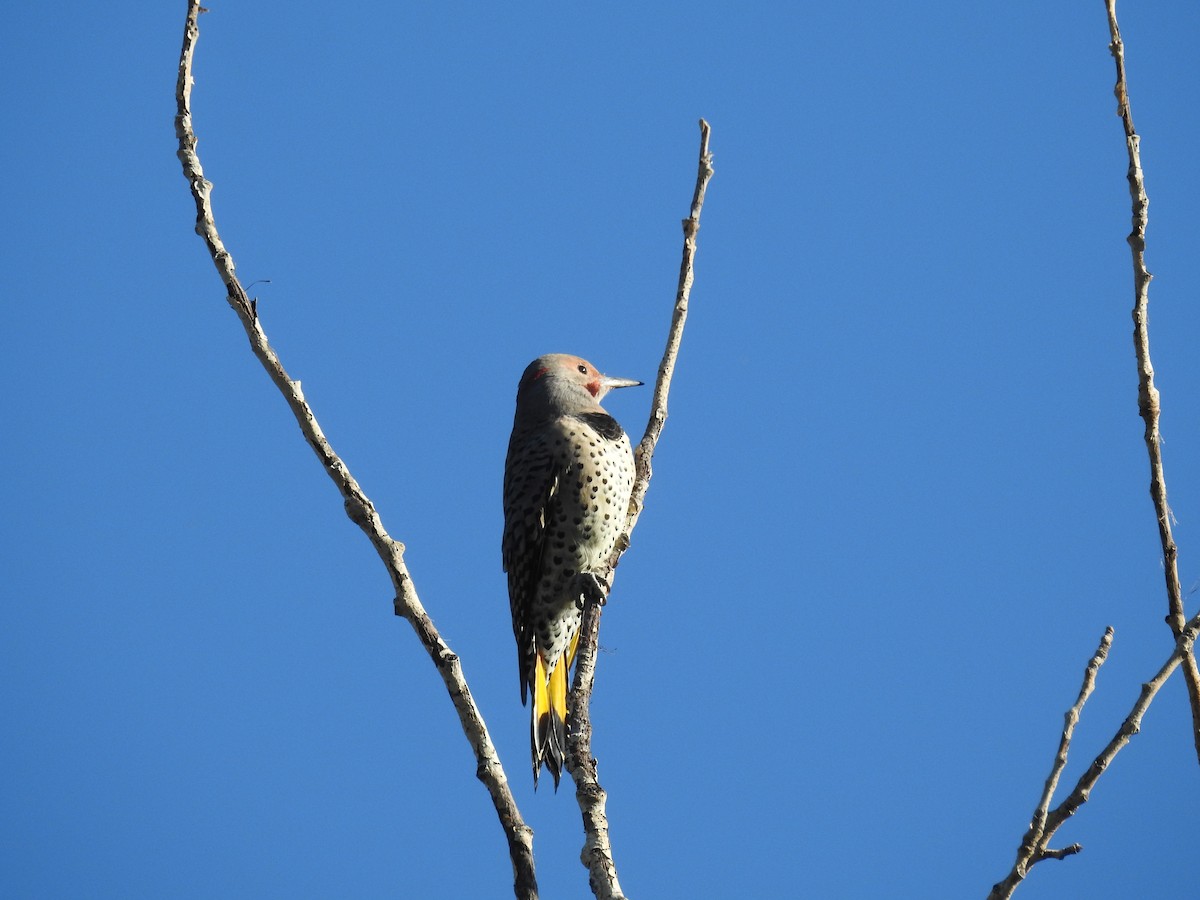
568 478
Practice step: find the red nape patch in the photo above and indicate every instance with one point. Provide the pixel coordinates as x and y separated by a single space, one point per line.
534 376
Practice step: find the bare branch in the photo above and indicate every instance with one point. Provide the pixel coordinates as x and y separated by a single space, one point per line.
1063 853
1033 845
1184 647
597 855
1036 841
666 368
597 849
1064 744
1148 396
358 506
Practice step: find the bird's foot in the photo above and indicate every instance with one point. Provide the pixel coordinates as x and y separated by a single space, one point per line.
590 586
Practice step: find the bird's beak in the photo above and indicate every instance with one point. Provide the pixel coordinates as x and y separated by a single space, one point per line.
608 383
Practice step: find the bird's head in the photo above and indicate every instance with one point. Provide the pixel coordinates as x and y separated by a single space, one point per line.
560 383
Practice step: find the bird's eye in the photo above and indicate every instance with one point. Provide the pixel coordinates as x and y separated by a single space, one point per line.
583 369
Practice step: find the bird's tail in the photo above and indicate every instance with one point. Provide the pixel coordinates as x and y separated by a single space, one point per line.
549 732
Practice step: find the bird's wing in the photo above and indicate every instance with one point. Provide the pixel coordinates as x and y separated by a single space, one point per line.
532 474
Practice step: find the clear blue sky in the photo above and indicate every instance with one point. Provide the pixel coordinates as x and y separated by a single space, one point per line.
901 493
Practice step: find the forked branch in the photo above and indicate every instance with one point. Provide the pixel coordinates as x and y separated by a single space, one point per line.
1035 845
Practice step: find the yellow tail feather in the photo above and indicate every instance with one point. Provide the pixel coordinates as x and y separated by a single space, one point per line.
549 732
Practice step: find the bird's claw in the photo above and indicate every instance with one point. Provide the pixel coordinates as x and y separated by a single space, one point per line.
590 586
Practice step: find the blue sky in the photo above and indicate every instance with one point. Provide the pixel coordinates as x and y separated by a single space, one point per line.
901 493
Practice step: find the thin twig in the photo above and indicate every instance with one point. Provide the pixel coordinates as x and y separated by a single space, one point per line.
1064 745
1148 396
358 506
1031 853
597 849
666 368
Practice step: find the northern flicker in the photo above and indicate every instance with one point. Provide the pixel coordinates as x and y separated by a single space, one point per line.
567 483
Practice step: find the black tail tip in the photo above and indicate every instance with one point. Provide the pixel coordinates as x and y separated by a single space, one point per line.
549 748
553 763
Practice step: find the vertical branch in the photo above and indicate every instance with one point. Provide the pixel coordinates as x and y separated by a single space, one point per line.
358 505
666 368
597 849
597 855
1148 396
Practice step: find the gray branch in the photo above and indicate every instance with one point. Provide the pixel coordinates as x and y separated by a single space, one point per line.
1148 396
597 853
358 506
